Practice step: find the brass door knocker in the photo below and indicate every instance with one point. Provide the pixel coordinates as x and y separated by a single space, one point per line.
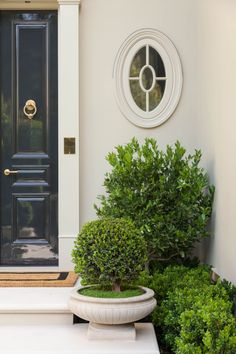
30 109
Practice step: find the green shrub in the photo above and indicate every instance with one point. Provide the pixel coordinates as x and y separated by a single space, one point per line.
173 282
209 327
166 194
179 301
229 287
194 315
109 251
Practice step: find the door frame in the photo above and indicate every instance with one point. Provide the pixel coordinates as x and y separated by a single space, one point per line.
68 122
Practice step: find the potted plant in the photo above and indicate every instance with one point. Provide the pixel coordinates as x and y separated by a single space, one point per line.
110 254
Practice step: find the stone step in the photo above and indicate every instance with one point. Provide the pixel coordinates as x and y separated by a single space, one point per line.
72 339
28 306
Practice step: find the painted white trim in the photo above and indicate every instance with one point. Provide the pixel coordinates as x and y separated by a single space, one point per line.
30 269
68 2
67 236
30 1
173 89
68 98
35 5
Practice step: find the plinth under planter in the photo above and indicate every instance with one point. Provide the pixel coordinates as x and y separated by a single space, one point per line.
112 318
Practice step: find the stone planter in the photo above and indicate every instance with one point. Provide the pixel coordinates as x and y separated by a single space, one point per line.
109 311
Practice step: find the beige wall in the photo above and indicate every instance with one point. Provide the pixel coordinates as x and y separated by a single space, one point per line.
217 28
204 33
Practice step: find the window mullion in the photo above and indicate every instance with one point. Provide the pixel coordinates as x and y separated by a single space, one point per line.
147 101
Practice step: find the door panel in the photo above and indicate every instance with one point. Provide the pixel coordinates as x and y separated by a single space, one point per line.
28 71
31 81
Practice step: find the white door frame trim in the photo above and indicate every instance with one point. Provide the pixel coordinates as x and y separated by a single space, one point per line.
35 4
68 120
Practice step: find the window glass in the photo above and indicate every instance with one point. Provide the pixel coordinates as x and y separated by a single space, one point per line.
156 62
147 78
138 62
156 95
138 95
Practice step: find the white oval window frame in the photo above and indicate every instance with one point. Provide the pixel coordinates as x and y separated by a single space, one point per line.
174 82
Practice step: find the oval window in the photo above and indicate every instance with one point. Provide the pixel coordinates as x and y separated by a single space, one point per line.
148 78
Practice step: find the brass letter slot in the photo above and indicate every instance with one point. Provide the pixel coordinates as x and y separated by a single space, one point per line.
69 146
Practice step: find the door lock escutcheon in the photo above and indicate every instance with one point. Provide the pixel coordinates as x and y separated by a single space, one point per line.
30 109
8 172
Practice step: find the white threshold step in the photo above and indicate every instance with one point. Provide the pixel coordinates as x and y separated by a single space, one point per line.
35 306
72 339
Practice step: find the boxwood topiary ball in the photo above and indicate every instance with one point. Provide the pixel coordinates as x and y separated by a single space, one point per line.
109 251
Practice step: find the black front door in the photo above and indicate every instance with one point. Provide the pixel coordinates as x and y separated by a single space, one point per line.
29 135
